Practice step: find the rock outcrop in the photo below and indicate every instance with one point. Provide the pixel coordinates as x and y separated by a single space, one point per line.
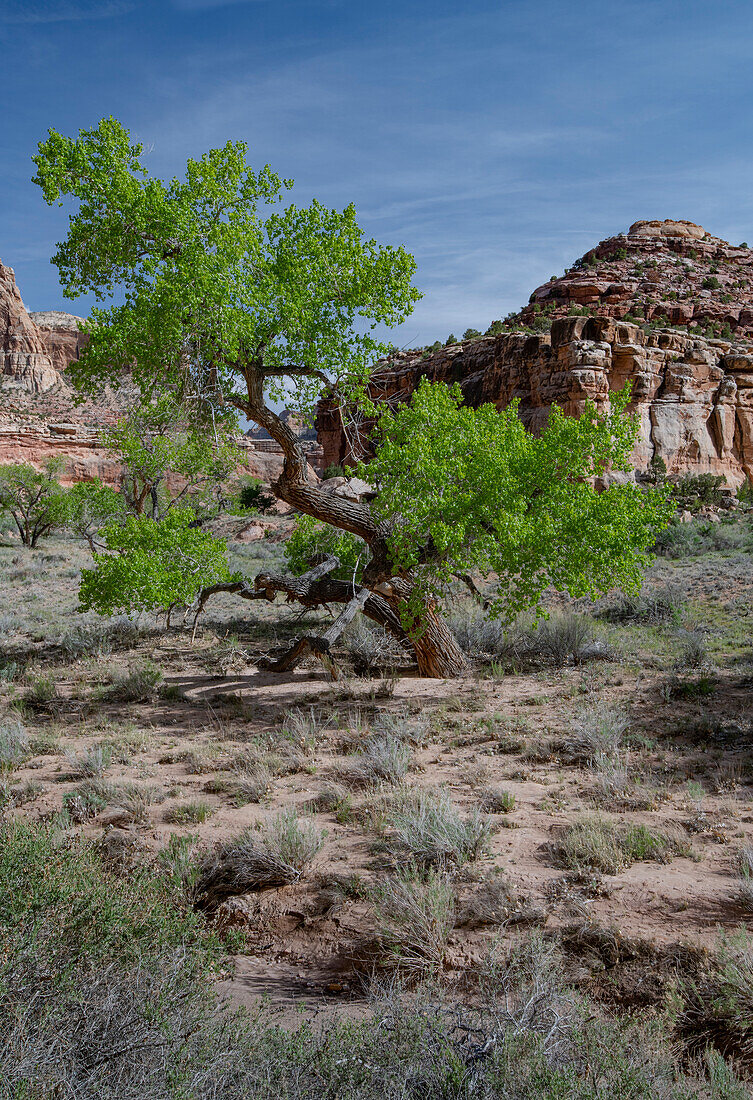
667 272
39 419
694 396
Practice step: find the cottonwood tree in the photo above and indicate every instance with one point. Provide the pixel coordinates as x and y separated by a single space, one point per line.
224 306
34 499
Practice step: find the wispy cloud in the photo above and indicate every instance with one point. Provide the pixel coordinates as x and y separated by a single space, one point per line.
59 11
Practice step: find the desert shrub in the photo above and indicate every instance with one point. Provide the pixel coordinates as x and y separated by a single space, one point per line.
414 916
305 728
563 638
14 743
251 784
717 1009
495 800
696 490
90 764
601 845
651 605
99 639
87 799
333 470
693 649
597 729
498 901
369 648
381 758
428 828
744 891
137 685
189 813
278 853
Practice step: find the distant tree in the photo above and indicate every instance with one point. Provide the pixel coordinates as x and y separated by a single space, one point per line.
91 506
149 565
451 339
471 334
34 499
157 440
252 495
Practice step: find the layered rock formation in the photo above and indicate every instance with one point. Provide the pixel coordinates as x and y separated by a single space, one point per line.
671 272
666 307
694 396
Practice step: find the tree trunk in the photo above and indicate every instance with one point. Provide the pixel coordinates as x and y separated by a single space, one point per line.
435 646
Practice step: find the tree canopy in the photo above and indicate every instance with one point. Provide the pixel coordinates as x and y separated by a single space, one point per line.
211 285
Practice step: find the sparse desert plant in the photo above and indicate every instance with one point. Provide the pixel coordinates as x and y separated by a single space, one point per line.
597 730
564 638
332 799
278 853
137 685
427 827
42 694
693 649
599 844
717 1008
653 604
380 759
14 743
367 647
415 915
498 901
252 785
189 813
87 799
90 764
305 728
744 890
496 800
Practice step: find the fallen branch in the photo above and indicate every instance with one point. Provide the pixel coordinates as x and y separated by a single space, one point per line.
319 645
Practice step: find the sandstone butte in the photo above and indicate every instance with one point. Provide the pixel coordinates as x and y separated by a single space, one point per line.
665 307
38 416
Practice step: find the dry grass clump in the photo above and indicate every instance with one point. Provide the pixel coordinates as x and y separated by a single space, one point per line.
380 759
744 890
596 843
414 917
496 800
305 728
717 1010
189 813
597 730
426 826
278 853
14 743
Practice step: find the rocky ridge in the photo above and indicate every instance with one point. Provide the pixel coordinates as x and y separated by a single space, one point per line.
692 390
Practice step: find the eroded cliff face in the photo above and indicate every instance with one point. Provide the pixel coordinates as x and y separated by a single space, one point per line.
39 419
694 396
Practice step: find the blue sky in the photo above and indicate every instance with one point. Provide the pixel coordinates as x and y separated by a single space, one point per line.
496 140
